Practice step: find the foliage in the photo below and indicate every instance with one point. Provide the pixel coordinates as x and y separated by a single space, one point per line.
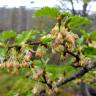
24 36
75 22
34 53
79 22
47 11
7 35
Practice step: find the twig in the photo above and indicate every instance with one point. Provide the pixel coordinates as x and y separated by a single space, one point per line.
45 80
33 43
49 84
70 53
74 55
81 73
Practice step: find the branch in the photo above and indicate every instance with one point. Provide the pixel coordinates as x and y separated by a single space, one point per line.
49 84
19 46
71 53
81 73
74 55
33 43
45 80
73 9
28 42
37 43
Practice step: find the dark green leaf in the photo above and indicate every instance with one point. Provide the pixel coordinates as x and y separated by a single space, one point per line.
90 51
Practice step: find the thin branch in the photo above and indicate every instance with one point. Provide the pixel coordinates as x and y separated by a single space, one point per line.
45 80
73 9
19 46
49 84
37 43
33 43
71 53
81 73
74 55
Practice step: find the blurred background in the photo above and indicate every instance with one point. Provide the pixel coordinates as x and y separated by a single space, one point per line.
18 15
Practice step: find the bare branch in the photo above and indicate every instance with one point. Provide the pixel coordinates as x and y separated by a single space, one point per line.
81 73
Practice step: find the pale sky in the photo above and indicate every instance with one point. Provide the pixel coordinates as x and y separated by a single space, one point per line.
39 3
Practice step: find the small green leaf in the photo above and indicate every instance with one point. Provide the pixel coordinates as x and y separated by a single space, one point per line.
90 51
7 35
2 54
24 36
86 35
46 39
80 42
47 12
93 35
78 21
